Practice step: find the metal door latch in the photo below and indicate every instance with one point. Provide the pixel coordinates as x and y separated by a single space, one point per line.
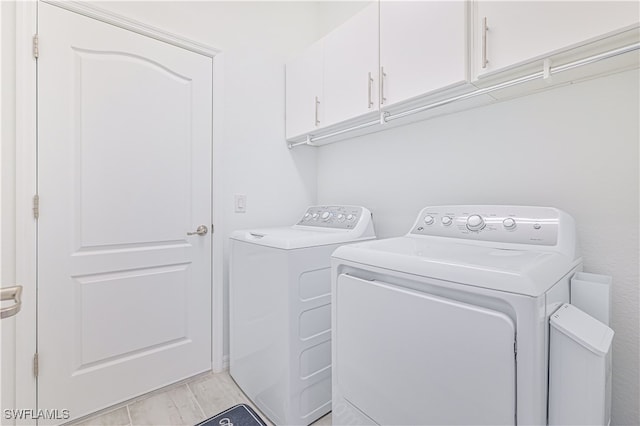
11 293
202 230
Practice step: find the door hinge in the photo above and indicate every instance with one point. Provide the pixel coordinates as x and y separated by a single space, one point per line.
36 46
36 365
36 206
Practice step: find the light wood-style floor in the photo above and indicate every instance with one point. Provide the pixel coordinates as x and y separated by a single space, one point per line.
183 404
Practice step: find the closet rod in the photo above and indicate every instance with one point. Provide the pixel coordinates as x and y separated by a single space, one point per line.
350 129
386 116
311 139
517 81
304 142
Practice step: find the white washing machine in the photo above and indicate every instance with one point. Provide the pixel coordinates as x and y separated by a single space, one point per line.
450 323
280 311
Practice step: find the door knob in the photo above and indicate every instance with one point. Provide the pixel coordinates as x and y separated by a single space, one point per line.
202 230
11 293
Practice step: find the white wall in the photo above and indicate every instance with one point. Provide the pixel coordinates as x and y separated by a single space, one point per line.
276 27
250 155
330 14
575 148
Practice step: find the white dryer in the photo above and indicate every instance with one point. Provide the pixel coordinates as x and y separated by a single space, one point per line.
280 310
450 323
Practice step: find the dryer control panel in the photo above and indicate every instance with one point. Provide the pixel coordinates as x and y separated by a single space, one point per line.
336 217
504 224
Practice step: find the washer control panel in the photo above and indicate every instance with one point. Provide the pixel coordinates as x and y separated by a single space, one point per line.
507 224
337 217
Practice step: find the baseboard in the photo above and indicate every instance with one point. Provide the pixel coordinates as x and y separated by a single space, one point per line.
225 362
223 366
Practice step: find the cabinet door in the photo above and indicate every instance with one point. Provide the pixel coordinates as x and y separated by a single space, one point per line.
351 67
304 91
423 47
524 30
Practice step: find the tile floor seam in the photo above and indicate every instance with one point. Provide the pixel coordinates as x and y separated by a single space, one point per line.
196 400
129 414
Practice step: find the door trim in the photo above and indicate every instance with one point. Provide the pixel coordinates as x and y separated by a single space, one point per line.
26 187
135 26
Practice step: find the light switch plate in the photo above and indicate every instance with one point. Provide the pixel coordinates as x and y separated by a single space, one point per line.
240 203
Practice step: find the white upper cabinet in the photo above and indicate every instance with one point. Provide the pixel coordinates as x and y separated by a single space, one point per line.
351 68
423 48
304 103
509 33
407 57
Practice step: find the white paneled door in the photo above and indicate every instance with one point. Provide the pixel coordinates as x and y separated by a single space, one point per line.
124 174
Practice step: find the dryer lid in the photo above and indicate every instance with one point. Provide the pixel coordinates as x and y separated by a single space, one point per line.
529 272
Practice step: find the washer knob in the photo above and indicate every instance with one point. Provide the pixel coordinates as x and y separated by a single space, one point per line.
446 220
307 216
428 219
350 217
315 215
325 216
509 223
340 217
475 222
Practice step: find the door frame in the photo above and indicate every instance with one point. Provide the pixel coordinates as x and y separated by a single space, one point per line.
26 229
26 187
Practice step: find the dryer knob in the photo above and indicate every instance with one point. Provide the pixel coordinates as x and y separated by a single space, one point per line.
509 223
475 222
325 216
446 220
428 219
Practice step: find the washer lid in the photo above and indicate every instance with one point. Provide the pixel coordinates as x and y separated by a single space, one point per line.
290 237
528 272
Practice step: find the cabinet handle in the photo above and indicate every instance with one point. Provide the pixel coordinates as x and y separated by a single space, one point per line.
485 28
383 76
370 82
317 104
